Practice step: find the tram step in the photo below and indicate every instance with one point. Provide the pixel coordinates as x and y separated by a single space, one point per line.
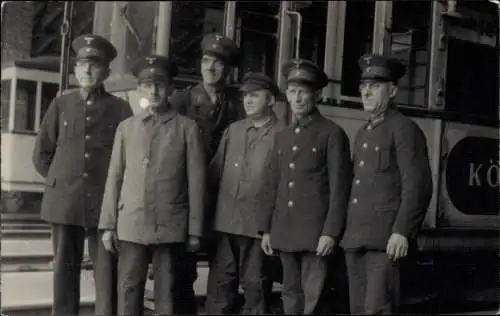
20 218
26 233
25 226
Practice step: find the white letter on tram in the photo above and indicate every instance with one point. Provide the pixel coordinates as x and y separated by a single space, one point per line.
492 181
474 179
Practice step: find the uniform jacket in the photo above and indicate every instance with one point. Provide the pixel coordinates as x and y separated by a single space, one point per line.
392 183
194 102
72 151
307 185
156 181
238 170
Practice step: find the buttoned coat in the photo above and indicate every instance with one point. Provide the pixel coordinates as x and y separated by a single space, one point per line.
308 179
155 188
392 183
72 151
238 171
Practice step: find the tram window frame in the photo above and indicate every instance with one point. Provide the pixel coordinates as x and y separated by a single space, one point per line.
29 120
5 104
45 100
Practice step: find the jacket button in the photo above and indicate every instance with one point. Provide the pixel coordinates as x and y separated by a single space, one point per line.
361 163
86 155
89 102
297 130
291 184
291 165
377 148
355 201
365 145
236 164
294 148
357 181
87 137
85 175
290 203
88 118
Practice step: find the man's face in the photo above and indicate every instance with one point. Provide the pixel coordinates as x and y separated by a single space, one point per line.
152 93
376 95
256 102
91 73
301 99
213 69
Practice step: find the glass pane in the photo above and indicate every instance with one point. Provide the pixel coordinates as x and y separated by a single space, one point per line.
24 119
49 92
312 38
410 34
257 30
6 84
472 79
358 36
191 21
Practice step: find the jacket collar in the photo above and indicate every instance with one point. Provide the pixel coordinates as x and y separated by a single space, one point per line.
310 118
165 114
92 94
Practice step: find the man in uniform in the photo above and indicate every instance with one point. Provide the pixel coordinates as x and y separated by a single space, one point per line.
237 170
154 199
391 190
72 152
213 105
304 198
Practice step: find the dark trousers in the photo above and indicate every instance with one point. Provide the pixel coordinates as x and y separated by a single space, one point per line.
68 242
185 299
133 260
237 259
373 283
304 274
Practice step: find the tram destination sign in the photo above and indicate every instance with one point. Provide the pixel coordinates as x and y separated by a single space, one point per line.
473 176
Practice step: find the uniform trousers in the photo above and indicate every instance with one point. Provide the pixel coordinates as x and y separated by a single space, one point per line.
304 275
133 261
238 259
373 282
68 242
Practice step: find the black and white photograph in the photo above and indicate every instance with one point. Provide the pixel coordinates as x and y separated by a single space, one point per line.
250 157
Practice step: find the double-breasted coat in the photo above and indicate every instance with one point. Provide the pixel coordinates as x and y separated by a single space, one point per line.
238 170
307 184
72 151
392 183
155 188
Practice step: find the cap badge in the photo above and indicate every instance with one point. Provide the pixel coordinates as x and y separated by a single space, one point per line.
88 49
368 60
215 46
150 60
88 39
297 63
218 37
152 70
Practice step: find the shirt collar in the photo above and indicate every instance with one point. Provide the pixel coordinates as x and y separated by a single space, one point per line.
165 114
93 93
309 118
380 118
250 125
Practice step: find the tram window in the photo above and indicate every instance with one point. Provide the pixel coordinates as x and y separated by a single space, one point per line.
49 92
358 37
313 33
24 116
257 28
191 20
5 104
472 79
410 44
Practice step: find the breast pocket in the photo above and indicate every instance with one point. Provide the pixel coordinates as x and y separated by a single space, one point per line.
383 157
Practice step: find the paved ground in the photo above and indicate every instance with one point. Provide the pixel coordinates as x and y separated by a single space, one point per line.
25 247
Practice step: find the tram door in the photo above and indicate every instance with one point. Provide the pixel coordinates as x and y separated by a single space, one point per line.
471 177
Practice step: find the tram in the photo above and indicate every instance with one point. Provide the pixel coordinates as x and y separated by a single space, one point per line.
451 90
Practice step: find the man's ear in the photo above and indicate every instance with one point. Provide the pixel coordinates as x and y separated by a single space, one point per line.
318 95
393 90
271 99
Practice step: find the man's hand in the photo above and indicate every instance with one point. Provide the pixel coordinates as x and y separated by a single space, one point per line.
325 246
265 244
193 244
110 241
397 247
